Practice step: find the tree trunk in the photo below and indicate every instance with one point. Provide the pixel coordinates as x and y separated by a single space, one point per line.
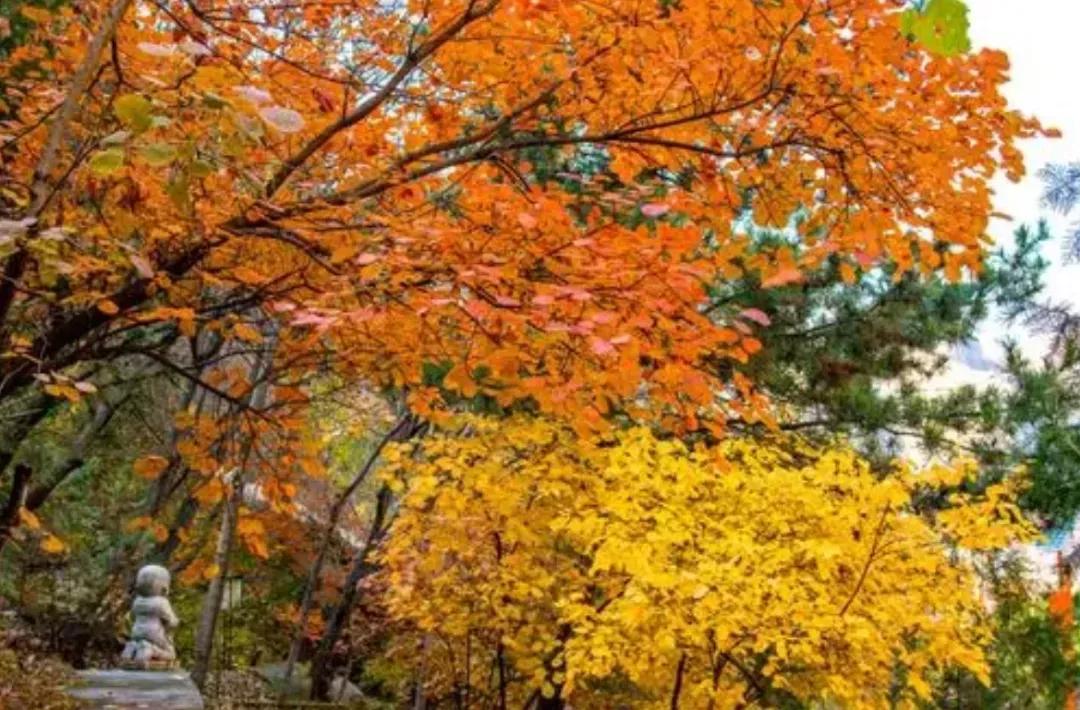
204 632
9 515
320 665
42 187
419 697
102 415
556 703
311 586
36 408
204 346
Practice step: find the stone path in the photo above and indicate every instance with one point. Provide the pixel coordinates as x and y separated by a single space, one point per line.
127 690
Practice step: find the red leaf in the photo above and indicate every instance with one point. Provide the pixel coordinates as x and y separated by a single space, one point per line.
757 315
601 346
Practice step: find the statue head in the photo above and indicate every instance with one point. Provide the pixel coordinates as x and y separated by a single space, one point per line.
152 581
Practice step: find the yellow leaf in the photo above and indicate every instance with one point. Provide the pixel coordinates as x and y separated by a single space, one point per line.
250 526
53 545
37 14
65 391
29 519
108 307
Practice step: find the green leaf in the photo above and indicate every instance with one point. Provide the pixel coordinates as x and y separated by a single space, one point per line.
942 27
178 191
201 168
134 112
107 162
214 101
158 154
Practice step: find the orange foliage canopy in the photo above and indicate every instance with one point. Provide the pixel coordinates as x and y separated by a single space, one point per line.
537 191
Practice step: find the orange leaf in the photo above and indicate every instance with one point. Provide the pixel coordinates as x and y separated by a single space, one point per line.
160 532
139 523
783 277
211 492
246 275
150 467
247 333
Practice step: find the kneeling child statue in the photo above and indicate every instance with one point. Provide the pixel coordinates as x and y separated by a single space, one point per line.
150 645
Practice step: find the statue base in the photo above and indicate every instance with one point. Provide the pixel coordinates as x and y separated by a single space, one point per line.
130 664
130 689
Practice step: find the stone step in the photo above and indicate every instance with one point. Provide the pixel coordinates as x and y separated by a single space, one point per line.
129 689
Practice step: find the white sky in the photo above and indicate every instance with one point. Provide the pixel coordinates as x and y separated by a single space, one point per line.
1040 38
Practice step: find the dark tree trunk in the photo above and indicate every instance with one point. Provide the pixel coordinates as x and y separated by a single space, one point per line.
102 415
9 515
311 586
321 664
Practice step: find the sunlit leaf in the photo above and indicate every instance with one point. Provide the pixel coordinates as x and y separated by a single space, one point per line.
53 545
158 154
942 26
135 111
107 162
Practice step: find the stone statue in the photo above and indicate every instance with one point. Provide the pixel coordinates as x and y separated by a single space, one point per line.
150 645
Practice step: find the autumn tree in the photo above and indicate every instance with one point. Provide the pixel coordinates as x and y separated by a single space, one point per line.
378 216
386 198
635 570
535 199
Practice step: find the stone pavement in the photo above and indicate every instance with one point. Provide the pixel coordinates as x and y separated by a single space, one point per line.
127 690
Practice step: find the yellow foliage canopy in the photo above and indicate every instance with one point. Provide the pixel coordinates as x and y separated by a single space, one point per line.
750 570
